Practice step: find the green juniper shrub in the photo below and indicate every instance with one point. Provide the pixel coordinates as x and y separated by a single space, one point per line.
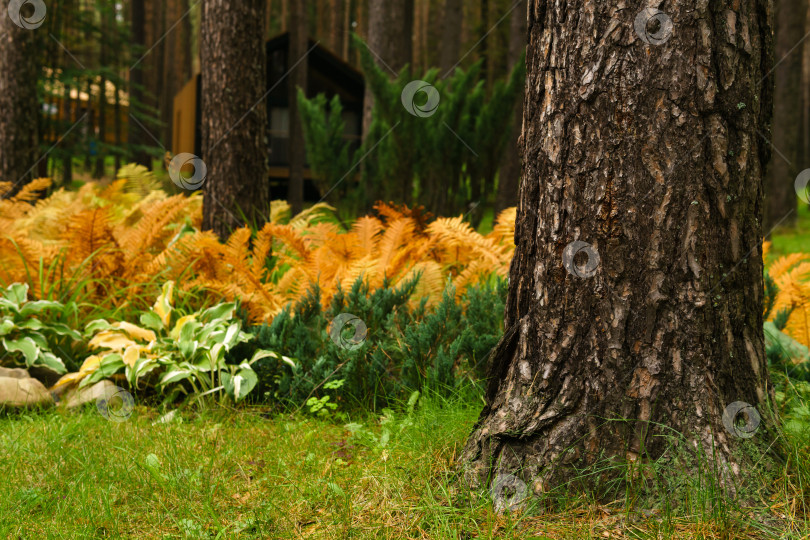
405 349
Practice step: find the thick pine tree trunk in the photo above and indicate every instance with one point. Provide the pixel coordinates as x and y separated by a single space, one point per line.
786 160
234 113
18 102
297 64
650 154
509 176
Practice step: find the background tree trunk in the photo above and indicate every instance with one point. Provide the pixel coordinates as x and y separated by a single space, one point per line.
390 39
650 154
136 136
299 43
234 113
509 177
18 102
780 195
451 35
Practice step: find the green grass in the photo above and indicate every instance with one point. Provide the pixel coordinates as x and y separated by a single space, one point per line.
241 474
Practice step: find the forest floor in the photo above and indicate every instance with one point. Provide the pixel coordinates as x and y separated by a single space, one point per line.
242 474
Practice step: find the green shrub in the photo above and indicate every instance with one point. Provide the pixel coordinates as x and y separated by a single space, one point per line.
406 348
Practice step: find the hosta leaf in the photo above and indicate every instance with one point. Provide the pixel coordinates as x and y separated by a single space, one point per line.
26 346
131 355
32 308
136 332
6 326
151 320
51 361
239 385
16 293
163 304
31 324
220 312
110 339
63 330
175 375
175 333
96 325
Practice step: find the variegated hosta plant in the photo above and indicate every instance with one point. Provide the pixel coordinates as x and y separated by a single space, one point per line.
28 331
184 351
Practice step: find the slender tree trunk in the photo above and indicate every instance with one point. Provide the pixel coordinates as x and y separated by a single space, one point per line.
780 195
299 41
234 113
509 177
18 102
650 155
806 89
390 39
336 30
136 136
106 26
451 36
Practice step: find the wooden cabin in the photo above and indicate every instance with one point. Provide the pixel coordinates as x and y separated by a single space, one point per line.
326 74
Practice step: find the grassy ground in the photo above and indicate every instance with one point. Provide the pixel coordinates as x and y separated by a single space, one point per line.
239 474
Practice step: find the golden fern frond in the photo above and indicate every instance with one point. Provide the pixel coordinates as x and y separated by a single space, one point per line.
766 249
317 235
504 229
785 263
291 238
431 281
5 187
461 242
32 191
399 232
151 229
366 230
365 267
316 211
279 211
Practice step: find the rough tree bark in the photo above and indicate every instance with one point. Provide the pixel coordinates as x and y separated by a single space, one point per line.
18 101
650 154
234 114
509 176
785 164
297 64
